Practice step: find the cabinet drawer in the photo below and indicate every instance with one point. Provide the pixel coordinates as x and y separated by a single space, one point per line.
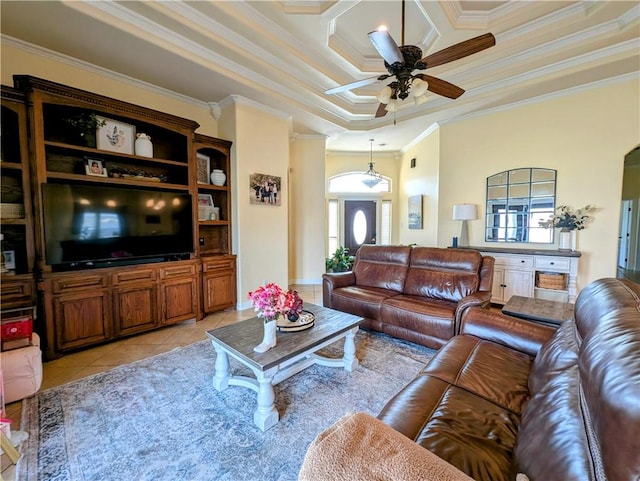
552 263
218 264
181 270
11 291
134 275
525 262
86 281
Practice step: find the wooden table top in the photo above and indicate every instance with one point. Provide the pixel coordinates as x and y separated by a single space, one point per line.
553 312
241 337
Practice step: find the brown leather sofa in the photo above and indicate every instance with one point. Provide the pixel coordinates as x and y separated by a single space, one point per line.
498 400
413 293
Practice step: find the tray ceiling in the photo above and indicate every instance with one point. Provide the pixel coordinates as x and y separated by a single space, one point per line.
285 54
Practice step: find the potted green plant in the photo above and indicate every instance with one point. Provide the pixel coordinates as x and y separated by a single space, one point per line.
340 261
85 125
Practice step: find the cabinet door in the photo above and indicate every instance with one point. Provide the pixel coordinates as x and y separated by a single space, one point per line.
497 289
517 283
179 300
219 291
135 309
81 319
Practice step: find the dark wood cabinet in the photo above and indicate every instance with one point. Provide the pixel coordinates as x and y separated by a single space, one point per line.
218 283
50 132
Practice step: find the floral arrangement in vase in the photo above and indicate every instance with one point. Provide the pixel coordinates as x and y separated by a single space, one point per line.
270 301
566 219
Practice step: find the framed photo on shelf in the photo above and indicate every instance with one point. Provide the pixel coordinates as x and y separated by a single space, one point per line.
205 206
115 136
94 167
9 259
203 164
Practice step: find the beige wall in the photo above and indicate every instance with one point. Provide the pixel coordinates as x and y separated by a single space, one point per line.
18 61
307 238
423 179
585 136
261 145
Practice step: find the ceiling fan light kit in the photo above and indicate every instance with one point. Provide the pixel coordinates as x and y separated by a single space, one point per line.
401 61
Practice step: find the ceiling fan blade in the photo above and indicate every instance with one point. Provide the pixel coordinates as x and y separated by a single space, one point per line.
353 85
386 46
382 110
459 50
441 87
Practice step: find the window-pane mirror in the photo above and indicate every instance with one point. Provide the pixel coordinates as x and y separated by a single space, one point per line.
517 200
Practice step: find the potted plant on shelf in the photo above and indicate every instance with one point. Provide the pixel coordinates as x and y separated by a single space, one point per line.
340 261
568 222
84 125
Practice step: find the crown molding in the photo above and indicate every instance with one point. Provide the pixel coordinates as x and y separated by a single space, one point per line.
103 72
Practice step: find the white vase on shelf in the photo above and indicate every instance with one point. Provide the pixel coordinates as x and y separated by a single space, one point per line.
574 240
143 146
218 177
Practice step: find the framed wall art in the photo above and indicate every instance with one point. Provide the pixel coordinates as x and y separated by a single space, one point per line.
115 136
203 166
265 189
205 206
415 212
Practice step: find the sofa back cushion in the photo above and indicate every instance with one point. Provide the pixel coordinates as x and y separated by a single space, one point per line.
382 266
448 274
583 418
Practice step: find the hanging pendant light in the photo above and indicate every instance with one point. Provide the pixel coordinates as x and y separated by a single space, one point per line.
372 178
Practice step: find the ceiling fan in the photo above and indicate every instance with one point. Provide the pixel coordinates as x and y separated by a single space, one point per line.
401 61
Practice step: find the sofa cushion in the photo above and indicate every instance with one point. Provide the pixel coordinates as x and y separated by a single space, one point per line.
494 372
448 274
475 435
429 317
382 267
360 301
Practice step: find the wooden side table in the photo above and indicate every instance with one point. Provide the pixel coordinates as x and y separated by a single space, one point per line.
550 313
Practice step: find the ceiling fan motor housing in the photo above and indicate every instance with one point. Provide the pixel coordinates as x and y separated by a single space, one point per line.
402 71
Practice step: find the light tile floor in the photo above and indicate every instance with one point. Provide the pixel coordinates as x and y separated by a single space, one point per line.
72 367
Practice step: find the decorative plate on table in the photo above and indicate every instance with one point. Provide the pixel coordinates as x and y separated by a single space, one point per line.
305 321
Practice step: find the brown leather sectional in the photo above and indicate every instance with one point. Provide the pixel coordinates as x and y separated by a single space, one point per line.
508 396
413 293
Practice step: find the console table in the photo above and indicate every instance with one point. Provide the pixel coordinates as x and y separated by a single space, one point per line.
517 272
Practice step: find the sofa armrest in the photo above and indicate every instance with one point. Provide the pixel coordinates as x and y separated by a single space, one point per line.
478 298
333 280
518 334
360 447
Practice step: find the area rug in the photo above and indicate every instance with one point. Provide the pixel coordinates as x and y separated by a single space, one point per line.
160 419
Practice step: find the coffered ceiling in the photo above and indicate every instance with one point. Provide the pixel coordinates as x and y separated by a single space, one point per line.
285 54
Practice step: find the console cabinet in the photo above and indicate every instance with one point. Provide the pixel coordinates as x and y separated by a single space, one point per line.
90 307
522 272
50 133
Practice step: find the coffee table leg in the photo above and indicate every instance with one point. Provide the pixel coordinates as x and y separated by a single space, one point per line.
266 415
221 376
350 360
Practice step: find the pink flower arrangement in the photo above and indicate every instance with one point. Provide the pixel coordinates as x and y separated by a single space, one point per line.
269 301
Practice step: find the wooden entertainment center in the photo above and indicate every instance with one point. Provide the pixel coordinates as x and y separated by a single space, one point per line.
50 135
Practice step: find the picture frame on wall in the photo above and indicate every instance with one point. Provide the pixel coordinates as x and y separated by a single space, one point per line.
265 189
415 212
115 136
203 166
94 167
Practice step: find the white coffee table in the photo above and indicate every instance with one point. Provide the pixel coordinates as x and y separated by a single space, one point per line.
294 352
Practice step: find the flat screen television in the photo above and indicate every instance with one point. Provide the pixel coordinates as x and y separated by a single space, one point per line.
94 226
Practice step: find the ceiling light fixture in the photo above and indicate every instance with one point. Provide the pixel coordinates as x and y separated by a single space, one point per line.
372 178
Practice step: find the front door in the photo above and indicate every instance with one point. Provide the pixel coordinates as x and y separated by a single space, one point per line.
359 224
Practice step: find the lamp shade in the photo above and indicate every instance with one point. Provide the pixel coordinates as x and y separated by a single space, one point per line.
465 212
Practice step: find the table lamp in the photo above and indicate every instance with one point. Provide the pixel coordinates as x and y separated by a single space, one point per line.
464 212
